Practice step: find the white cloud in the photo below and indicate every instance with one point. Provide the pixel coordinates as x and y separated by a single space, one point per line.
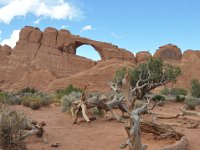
37 21
64 26
87 27
116 36
14 37
57 9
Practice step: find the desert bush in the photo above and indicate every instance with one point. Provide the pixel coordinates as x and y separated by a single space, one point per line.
66 91
36 101
195 88
9 98
165 91
173 91
178 91
192 102
12 125
46 99
119 75
27 90
180 98
158 98
35 105
3 97
98 112
67 100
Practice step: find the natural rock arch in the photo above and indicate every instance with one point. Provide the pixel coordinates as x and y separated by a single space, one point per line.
91 52
72 48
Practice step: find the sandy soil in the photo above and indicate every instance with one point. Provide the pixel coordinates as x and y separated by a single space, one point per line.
99 134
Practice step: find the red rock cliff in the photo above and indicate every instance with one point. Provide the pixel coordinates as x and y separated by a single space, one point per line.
47 61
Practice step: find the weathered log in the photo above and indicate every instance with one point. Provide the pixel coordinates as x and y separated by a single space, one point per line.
160 130
169 117
179 145
192 113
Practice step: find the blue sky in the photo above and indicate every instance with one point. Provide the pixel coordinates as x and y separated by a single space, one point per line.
131 24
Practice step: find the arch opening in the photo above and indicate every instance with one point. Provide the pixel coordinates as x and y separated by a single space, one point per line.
88 52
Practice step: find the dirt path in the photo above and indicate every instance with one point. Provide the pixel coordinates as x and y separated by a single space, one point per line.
98 135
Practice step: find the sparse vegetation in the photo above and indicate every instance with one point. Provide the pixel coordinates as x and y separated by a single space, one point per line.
67 100
9 98
98 112
180 98
141 80
12 125
158 98
177 94
195 88
66 91
192 102
173 91
27 90
36 101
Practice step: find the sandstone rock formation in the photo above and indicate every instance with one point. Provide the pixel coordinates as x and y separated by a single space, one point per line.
169 52
39 59
142 56
47 61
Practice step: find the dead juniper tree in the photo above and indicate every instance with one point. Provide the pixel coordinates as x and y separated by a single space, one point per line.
108 103
141 80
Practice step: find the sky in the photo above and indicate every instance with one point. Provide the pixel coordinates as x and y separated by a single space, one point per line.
135 25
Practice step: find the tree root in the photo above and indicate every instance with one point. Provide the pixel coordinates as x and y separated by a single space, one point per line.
160 130
179 145
192 113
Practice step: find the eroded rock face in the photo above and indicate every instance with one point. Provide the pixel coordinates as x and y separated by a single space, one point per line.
169 52
41 58
142 56
190 67
47 61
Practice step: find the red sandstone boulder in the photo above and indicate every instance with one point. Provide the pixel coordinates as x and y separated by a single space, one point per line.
35 36
169 52
50 37
142 56
25 33
63 35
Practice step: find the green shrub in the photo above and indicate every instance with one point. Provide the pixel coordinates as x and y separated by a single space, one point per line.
66 91
9 98
46 100
27 90
67 101
98 112
192 102
35 105
195 88
178 91
12 125
173 91
119 75
180 98
165 91
36 101
158 98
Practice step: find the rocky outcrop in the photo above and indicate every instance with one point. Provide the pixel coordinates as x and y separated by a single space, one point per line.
39 59
190 67
47 61
142 56
169 52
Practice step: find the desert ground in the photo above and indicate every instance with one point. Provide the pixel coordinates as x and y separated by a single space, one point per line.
101 133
